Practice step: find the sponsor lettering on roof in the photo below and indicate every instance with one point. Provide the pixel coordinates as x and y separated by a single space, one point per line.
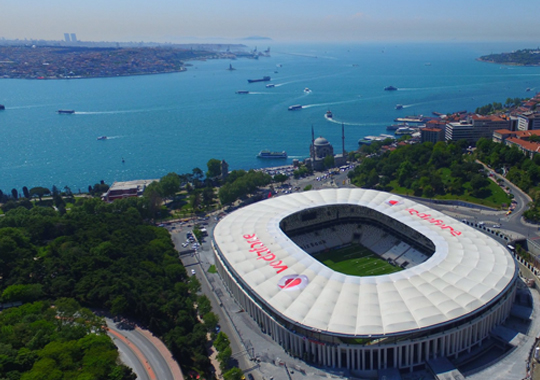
437 222
263 253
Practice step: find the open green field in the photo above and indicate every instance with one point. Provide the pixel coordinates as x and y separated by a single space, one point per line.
356 260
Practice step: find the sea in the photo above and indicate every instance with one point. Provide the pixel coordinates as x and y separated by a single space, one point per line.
164 123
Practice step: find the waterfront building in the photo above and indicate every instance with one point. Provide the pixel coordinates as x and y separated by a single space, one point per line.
475 127
433 131
528 121
127 189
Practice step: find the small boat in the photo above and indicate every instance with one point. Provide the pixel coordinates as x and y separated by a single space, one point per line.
230 67
528 89
66 111
390 88
268 154
295 107
102 138
328 114
242 92
307 90
263 79
270 85
399 106
2 107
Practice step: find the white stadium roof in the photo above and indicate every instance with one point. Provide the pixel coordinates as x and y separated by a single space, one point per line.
467 271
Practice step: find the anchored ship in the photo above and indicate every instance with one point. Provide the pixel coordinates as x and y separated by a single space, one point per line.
268 154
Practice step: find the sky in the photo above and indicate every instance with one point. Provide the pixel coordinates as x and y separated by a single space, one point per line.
281 20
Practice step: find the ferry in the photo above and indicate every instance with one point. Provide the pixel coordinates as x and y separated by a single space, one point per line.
328 114
263 79
395 127
268 154
66 111
102 138
270 85
401 131
242 92
295 107
390 88
410 119
399 106
367 140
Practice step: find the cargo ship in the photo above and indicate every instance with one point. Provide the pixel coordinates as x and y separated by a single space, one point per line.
263 79
66 111
268 154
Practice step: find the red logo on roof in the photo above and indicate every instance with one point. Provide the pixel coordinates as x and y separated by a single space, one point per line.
293 282
393 202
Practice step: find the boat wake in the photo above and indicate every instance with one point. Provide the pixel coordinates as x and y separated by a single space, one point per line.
113 112
330 104
332 120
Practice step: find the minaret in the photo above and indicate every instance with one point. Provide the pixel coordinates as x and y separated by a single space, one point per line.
312 150
343 138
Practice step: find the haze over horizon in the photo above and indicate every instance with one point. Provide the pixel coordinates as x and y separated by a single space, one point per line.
282 21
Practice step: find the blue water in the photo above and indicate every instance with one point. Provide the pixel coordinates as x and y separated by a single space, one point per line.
176 122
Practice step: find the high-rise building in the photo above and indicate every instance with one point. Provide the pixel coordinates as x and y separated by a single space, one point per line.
66 37
73 37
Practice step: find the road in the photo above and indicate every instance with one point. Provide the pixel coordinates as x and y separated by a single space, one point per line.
143 353
193 262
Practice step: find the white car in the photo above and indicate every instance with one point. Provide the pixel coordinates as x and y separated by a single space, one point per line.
193 271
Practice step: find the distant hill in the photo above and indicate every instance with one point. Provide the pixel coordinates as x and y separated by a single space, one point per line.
525 57
256 38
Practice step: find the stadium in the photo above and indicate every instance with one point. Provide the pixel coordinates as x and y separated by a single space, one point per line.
364 280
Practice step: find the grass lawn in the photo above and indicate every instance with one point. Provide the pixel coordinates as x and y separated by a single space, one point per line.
356 260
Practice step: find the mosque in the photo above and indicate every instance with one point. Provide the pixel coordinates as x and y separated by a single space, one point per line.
320 148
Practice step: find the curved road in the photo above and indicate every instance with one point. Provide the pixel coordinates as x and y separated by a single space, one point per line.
145 354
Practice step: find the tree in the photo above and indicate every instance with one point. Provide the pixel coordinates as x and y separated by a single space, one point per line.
39 191
214 168
170 184
26 192
233 374
329 162
280 177
14 193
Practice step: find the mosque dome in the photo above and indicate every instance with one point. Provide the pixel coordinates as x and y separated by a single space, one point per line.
321 141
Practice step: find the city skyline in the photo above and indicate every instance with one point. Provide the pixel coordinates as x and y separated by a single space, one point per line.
317 21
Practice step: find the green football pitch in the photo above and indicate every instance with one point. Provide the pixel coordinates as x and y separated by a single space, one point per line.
356 260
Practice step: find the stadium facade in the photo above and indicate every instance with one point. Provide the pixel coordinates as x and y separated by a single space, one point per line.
456 285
